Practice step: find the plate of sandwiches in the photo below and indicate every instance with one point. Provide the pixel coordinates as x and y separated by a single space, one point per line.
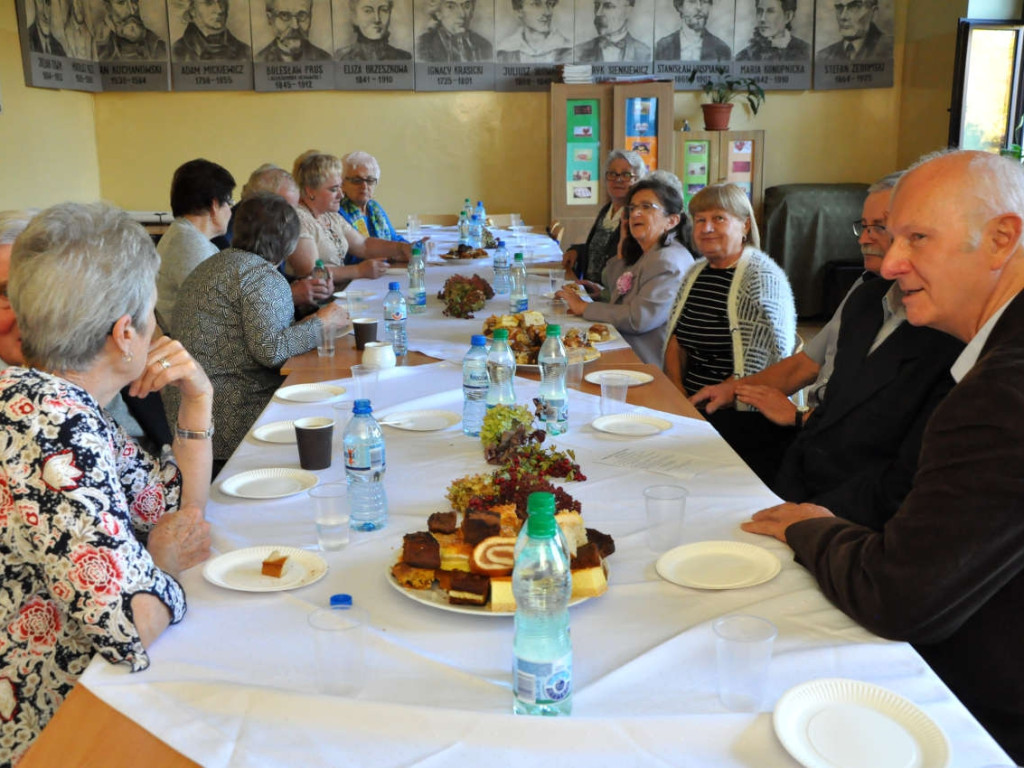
527 331
463 563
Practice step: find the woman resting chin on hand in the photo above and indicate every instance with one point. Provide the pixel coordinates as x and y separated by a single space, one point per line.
79 499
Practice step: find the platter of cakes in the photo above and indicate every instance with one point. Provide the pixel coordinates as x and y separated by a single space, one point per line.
527 331
463 562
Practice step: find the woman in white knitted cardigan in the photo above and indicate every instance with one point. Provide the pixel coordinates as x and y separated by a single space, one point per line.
741 317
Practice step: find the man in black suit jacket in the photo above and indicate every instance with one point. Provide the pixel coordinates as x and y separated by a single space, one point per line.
40 33
692 41
614 41
947 571
861 38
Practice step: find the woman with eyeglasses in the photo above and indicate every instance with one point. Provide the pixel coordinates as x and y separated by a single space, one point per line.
344 251
360 176
734 315
621 170
643 281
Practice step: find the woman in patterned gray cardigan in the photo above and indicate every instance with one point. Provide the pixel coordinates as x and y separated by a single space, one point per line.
734 314
235 315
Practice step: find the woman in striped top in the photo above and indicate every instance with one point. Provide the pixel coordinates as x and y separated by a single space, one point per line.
734 314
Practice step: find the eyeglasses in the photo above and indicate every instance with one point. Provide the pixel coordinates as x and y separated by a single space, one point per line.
644 208
853 6
859 227
624 176
369 181
287 17
5 303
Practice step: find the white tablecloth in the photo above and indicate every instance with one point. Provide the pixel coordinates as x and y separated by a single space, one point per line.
234 685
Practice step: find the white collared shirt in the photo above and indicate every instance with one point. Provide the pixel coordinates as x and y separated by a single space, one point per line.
972 351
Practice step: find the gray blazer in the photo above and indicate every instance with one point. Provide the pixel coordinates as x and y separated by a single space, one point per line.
641 313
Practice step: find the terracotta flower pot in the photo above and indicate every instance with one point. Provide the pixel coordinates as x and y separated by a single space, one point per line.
716 116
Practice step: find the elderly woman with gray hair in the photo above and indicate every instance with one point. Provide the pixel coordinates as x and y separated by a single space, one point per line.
622 169
94 530
360 176
234 313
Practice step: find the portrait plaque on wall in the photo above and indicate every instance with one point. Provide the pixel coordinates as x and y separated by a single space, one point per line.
533 36
454 45
132 52
614 37
692 36
374 43
853 44
291 43
212 45
772 43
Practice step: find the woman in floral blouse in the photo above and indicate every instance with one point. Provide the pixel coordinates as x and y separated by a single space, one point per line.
93 531
642 283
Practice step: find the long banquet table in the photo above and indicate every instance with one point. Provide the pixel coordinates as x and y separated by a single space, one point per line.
236 684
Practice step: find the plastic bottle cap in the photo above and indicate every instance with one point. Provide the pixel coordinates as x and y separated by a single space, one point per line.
416 249
361 406
394 286
519 257
475 217
341 600
540 501
541 526
501 333
479 340
554 330
319 262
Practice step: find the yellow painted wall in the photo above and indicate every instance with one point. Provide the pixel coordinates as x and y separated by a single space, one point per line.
47 138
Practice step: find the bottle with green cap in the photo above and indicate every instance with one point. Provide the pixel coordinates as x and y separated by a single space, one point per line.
554 396
501 371
542 648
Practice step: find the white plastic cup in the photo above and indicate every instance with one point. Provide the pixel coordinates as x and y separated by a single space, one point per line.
574 370
338 650
613 393
331 515
366 377
743 649
325 344
666 510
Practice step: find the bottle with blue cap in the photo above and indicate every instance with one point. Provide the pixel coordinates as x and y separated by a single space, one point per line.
395 313
476 231
365 467
501 269
542 647
475 383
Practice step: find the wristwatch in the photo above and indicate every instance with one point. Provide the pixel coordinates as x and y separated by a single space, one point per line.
801 414
191 434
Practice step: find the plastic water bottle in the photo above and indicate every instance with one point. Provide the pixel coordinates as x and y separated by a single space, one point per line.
417 281
464 228
476 234
518 298
475 383
395 313
542 648
501 270
501 371
553 395
365 465
467 207
543 505
320 272
481 212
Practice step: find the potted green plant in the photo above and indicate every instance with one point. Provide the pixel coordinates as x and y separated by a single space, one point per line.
722 89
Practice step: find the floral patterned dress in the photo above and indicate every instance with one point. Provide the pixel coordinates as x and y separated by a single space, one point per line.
77 499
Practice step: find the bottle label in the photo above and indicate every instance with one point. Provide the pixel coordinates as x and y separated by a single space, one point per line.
554 410
538 682
364 457
519 304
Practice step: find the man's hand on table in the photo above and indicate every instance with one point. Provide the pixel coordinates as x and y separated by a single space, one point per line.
716 396
771 402
179 540
775 520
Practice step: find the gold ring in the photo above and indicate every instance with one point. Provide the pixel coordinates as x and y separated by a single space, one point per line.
163 363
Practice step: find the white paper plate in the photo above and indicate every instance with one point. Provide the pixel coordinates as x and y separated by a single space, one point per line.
420 421
276 432
435 597
240 570
837 723
274 483
718 565
309 393
631 424
636 378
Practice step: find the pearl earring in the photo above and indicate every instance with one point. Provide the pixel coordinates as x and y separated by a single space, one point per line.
127 357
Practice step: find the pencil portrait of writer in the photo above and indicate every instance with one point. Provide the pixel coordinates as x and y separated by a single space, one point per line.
860 37
370 22
290 21
129 39
206 36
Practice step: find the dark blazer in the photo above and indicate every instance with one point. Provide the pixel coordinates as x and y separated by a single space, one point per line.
271 54
877 45
590 51
947 571
430 47
583 249
711 48
858 451
761 50
194 46
35 42
364 49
